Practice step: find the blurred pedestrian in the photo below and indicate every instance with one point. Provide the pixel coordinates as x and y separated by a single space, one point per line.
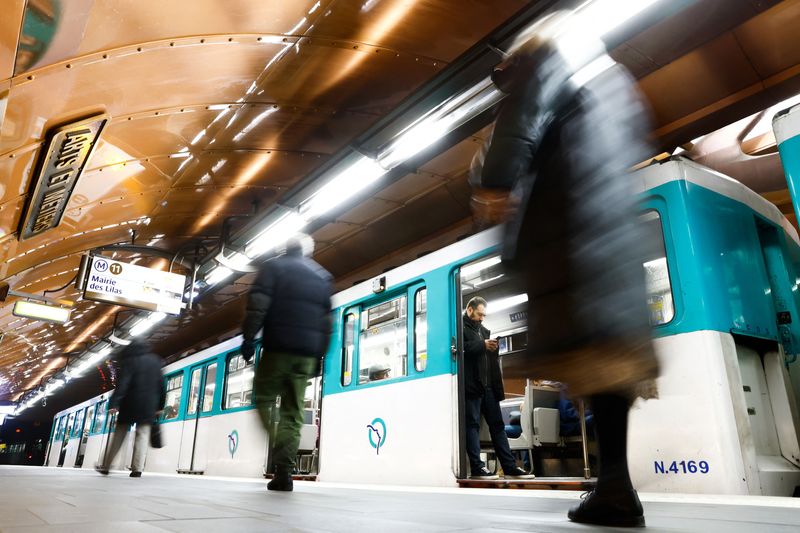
571 126
138 397
291 301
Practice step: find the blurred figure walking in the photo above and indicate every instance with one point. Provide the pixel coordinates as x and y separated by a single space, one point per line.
570 127
138 398
291 301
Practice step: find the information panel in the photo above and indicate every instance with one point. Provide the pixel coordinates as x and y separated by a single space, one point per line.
135 286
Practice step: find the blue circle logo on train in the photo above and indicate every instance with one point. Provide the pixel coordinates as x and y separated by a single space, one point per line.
233 442
377 434
100 265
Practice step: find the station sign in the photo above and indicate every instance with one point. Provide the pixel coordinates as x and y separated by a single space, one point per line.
115 282
60 164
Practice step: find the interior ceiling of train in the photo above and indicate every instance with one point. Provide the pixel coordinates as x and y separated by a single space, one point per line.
220 110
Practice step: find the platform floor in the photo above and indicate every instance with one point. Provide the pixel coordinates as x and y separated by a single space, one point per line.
66 500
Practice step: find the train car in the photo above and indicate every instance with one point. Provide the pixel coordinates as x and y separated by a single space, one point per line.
208 424
722 296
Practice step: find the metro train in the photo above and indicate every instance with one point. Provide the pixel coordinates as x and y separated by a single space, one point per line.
722 294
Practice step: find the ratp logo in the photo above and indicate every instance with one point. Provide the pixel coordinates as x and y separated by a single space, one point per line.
377 434
100 265
233 442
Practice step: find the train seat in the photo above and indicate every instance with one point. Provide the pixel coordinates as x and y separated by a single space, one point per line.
539 420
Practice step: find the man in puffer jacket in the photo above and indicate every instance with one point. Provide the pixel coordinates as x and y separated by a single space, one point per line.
570 127
291 301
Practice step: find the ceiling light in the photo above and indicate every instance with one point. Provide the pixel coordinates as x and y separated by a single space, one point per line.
236 262
38 311
506 303
274 236
342 187
217 274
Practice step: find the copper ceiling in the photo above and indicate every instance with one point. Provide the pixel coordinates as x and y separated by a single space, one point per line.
217 107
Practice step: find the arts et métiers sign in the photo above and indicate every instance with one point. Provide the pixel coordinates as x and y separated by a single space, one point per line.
63 158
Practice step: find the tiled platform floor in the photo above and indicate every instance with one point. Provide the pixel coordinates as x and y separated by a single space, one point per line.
66 500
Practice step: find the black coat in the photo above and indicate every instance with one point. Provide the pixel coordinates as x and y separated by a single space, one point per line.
140 390
481 367
565 150
291 300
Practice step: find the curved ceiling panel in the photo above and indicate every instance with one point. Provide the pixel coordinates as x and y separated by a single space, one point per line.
73 28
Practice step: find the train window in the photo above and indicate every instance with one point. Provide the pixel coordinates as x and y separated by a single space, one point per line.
68 430
211 385
76 429
348 347
172 405
383 348
61 425
659 289
194 391
238 382
87 425
100 417
421 330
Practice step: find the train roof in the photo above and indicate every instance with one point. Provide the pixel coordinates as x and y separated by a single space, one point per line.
679 168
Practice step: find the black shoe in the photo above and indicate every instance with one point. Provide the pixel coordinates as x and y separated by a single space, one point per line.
516 472
281 481
612 508
483 473
100 470
136 474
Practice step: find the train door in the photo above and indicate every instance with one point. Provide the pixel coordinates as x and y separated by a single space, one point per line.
65 442
194 441
84 436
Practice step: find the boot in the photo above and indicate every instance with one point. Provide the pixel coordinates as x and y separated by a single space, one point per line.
615 509
282 480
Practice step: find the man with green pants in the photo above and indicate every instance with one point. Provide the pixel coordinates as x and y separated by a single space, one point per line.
291 301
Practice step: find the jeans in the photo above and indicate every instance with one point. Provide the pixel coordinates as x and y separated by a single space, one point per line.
490 408
285 376
140 444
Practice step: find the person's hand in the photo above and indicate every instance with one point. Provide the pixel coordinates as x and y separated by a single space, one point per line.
491 345
491 206
248 350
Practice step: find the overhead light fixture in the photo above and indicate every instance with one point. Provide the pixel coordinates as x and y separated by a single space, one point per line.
145 324
116 340
36 311
236 262
506 303
275 235
217 274
481 265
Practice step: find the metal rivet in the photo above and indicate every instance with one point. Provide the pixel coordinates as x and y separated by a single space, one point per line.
230 39
105 56
202 41
30 77
139 49
172 44
259 39
69 65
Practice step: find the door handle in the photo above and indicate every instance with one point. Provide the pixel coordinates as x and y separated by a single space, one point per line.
453 348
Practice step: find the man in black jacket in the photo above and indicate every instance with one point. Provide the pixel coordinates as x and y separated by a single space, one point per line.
484 390
139 396
291 301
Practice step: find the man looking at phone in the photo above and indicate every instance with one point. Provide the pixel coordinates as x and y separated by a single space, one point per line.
484 390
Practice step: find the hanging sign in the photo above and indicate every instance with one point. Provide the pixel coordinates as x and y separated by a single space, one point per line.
115 282
60 164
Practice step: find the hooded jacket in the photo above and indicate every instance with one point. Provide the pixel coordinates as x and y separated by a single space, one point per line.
140 390
291 301
481 367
